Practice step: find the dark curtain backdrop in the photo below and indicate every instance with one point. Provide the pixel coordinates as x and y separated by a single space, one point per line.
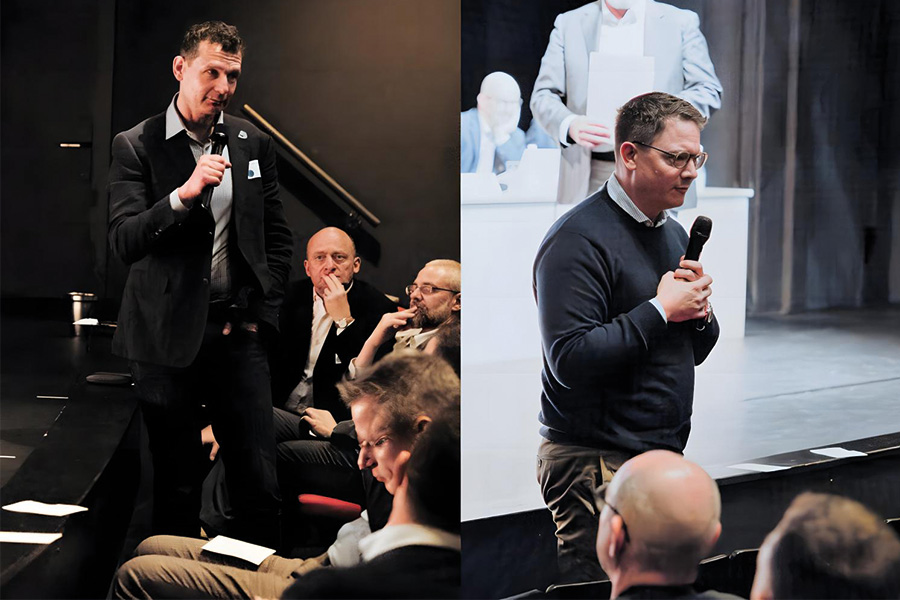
368 90
808 121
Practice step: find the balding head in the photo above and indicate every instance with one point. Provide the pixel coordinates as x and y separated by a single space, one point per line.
330 252
445 299
500 104
670 509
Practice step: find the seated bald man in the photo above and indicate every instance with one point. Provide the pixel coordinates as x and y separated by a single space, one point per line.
827 546
661 518
489 133
324 322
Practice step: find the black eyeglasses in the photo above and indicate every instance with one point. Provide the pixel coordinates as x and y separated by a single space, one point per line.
624 526
680 160
427 289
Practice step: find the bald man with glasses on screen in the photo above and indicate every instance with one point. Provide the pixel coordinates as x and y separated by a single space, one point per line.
624 320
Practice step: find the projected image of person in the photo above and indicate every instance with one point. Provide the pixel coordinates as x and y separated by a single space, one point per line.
489 133
614 28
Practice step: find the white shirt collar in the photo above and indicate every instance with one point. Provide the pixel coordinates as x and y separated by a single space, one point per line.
392 537
174 124
620 197
634 15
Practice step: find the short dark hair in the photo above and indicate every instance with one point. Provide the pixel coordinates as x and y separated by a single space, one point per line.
214 32
833 547
409 384
643 117
433 473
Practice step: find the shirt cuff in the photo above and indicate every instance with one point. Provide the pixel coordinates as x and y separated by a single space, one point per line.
564 130
351 369
662 312
176 203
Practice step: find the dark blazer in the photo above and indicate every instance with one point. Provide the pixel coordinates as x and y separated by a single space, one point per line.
407 572
166 298
367 305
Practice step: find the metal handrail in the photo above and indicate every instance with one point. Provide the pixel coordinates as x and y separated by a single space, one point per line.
331 185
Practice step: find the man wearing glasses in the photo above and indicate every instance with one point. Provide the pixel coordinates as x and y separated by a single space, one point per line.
652 534
624 320
434 298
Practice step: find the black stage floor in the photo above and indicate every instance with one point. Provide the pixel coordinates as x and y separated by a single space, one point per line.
63 441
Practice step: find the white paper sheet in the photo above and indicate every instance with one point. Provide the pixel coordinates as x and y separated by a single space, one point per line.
836 452
86 322
25 537
39 508
613 81
232 547
757 467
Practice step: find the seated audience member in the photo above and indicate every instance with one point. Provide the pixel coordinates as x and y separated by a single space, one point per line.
828 547
433 298
660 519
417 554
446 343
408 387
324 321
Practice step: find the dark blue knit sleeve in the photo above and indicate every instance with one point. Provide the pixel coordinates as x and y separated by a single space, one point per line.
582 339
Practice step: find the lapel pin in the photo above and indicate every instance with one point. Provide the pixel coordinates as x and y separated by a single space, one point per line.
242 134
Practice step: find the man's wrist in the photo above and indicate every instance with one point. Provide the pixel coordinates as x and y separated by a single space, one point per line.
658 305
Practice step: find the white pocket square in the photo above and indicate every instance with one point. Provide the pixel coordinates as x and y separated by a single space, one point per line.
253 171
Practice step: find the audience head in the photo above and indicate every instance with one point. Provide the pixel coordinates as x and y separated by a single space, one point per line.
446 342
828 547
436 293
330 254
433 475
392 402
500 104
660 519
658 150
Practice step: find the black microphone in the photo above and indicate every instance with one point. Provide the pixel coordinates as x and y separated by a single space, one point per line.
219 139
700 231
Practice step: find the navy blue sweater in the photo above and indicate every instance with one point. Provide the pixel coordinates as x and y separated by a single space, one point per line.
615 376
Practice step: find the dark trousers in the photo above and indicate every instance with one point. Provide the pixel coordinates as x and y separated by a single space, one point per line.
314 466
310 466
231 377
573 482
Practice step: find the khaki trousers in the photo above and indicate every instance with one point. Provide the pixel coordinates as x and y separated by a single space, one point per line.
573 482
167 566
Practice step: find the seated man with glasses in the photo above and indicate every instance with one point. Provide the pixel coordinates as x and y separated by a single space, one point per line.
434 298
624 320
659 520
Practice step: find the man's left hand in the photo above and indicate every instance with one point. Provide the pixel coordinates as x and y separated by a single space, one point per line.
335 297
320 421
690 270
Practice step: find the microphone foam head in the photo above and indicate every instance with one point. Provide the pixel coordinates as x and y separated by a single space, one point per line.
702 226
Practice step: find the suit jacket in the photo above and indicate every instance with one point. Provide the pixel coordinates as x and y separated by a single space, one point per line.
407 572
470 144
166 299
683 68
367 305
